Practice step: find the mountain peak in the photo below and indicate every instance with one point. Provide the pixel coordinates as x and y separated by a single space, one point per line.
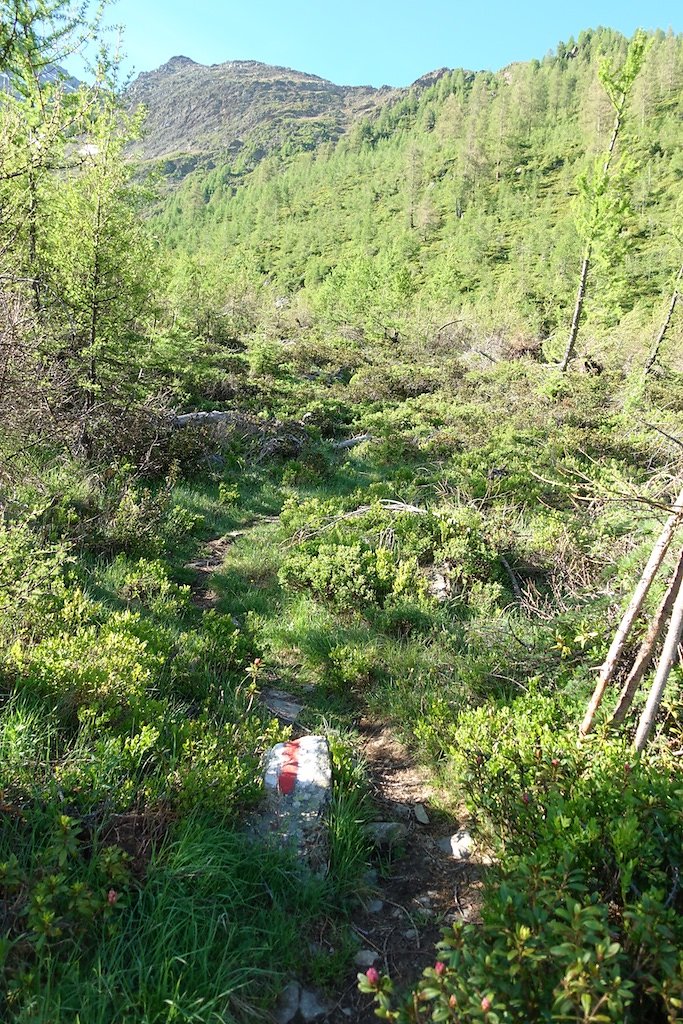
199 110
177 64
424 81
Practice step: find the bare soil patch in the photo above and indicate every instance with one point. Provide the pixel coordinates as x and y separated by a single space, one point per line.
138 834
213 555
420 889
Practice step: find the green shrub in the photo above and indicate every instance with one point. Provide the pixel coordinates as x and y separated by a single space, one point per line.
581 919
351 576
101 667
147 582
350 666
144 521
217 766
33 591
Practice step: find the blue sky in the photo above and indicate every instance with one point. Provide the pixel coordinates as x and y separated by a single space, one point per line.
371 42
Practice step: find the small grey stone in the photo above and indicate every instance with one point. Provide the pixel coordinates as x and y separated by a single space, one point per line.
313 1005
423 901
365 958
375 906
387 833
459 845
287 1005
282 705
401 810
370 877
410 933
420 814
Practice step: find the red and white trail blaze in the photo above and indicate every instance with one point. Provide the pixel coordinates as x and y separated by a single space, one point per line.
300 765
289 768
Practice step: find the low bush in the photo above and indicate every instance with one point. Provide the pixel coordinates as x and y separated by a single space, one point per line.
581 917
374 555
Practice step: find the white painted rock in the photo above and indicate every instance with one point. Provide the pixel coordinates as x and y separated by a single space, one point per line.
298 781
459 845
301 769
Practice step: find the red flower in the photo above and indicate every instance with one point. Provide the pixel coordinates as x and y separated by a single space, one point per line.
439 968
486 1004
555 761
525 798
112 897
372 974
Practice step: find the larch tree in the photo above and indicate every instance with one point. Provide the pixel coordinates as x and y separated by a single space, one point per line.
602 195
101 258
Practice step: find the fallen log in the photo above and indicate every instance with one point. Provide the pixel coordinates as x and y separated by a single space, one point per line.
187 418
611 661
351 442
666 662
647 648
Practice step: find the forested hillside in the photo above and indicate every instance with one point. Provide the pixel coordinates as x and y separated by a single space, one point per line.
411 515
461 200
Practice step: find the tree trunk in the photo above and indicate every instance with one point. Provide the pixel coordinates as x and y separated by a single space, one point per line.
585 266
33 236
636 603
94 305
669 655
646 652
578 309
652 358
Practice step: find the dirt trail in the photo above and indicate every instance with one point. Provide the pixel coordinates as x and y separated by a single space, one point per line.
418 887
422 890
201 593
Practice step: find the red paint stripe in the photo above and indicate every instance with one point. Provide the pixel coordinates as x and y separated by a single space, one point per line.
290 767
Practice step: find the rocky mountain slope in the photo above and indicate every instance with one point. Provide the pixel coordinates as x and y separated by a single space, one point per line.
198 110
51 74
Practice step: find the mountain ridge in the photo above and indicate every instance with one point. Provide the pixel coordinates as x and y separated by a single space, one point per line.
198 110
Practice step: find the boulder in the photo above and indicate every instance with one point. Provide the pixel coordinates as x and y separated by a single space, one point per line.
298 783
385 834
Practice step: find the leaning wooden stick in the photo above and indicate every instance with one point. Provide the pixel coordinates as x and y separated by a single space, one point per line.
629 617
647 649
665 326
669 655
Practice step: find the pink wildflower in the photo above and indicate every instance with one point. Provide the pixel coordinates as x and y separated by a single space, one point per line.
372 974
112 897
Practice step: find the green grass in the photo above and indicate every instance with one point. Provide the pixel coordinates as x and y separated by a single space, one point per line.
207 938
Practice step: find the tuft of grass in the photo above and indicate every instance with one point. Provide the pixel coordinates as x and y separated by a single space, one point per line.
209 937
